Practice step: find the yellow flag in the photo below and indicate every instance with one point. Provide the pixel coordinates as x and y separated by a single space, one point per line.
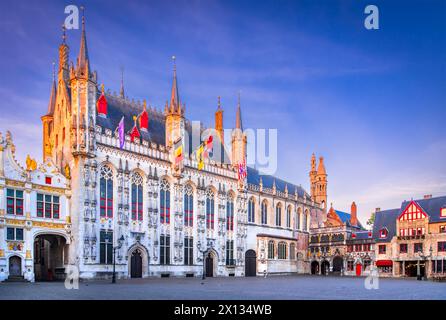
200 157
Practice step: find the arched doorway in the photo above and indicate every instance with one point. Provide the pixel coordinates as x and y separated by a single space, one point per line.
210 265
338 264
50 257
325 267
15 267
250 263
136 264
315 267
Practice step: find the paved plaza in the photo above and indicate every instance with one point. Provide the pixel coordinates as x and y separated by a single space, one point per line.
274 287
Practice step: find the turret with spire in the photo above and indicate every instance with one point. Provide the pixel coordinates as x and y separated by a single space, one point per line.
121 90
64 50
174 112
83 99
219 120
83 61
239 139
48 120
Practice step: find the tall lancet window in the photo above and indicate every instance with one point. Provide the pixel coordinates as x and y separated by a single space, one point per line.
251 210
106 192
264 212
188 206
288 217
210 202
165 202
279 215
137 198
230 213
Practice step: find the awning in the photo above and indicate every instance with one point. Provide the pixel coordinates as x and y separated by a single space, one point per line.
384 263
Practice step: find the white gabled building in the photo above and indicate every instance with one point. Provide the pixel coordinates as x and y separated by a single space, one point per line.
35 228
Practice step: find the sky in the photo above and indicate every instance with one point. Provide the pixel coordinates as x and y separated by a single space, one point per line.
371 102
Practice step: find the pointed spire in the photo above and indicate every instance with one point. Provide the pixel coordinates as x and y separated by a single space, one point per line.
83 62
174 97
121 92
63 57
238 120
321 167
52 102
219 104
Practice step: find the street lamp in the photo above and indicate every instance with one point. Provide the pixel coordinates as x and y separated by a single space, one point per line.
424 257
204 266
120 241
203 250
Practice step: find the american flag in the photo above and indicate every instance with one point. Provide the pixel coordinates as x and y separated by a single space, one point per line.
242 172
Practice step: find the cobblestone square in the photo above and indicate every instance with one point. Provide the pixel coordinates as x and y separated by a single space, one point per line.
274 288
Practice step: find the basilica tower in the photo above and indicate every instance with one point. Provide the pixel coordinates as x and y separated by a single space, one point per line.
318 182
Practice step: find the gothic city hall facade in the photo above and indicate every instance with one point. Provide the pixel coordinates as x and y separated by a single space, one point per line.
99 199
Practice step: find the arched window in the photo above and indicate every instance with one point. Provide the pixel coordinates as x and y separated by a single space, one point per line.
106 192
230 214
210 204
292 251
288 217
264 212
251 210
282 250
299 211
137 198
188 206
278 215
165 202
271 249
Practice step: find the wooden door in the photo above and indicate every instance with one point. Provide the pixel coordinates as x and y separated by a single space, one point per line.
209 266
136 265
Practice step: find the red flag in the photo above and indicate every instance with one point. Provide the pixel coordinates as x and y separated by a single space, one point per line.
134 134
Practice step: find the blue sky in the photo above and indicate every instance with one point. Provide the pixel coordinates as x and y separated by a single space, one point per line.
373 103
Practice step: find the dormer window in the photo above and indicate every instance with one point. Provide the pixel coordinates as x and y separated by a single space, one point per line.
383 233
443 212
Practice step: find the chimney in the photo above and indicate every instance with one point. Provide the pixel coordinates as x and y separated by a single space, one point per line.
353 215
427 196
377 209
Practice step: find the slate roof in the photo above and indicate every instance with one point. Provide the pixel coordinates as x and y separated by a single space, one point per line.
385 219
118 107
268 181
345 218
361 235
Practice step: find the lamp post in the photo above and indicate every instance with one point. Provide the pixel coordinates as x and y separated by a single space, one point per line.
424 257
202 249
120 241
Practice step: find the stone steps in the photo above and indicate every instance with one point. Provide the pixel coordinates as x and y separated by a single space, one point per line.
15 279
